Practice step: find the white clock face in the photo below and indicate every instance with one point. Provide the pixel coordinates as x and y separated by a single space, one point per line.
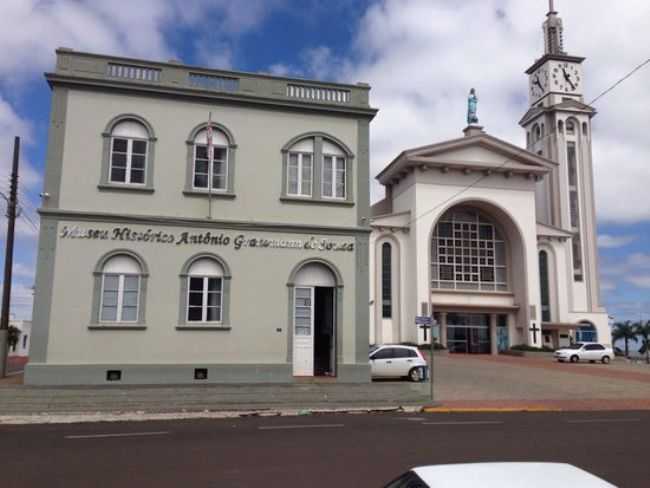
539 83
566 78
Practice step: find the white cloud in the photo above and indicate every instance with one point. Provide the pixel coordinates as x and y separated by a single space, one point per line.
22 298
422 57
21 270
610 241
640 281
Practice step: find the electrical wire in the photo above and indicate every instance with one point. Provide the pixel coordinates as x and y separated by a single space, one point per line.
522 150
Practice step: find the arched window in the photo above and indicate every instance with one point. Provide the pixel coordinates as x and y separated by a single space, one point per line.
468 252
537 131
120 289
202 170
300 168
386 281
586 332
544 286
128 154
205 291
570 127
334 171
317 166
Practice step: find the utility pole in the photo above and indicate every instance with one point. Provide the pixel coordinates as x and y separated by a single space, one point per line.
9 257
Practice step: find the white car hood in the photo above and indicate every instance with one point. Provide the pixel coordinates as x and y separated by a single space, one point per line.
509 475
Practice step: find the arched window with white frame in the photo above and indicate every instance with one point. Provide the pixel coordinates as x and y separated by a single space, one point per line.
128 153
201 169
205 291
300 168
120 290
334 175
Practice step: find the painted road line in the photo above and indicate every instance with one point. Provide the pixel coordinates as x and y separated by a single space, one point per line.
307 426
466 422
124 434
599 421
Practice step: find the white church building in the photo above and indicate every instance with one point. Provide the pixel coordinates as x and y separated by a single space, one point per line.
496 241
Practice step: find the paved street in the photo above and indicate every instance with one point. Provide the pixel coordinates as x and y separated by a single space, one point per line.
316 451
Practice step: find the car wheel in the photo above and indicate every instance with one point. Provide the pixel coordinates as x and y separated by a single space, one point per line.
605 360
414 375
574 358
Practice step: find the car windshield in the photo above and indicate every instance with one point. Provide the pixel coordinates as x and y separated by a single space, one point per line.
575 346
373 349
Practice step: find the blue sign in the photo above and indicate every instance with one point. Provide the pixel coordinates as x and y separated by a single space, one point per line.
423 320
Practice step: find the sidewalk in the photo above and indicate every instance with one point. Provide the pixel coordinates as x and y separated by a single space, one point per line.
26 400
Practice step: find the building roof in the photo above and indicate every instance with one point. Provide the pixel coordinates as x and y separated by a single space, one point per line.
568 105
516 160
551 231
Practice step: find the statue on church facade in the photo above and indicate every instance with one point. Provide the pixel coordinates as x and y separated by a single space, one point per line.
472 103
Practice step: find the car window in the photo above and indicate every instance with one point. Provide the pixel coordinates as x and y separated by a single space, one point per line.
575 346
407 480
594 347
400 352
385 353
412 353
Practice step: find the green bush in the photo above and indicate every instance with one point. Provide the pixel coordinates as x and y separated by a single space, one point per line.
527 348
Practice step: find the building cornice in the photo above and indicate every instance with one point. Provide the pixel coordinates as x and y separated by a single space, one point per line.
554 57
172 79
76 215
204 95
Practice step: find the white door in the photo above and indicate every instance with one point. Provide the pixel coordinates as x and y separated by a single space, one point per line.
303 332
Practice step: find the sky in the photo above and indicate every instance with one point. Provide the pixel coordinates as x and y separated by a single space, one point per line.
421 57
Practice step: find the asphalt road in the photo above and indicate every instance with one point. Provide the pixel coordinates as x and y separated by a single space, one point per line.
316 451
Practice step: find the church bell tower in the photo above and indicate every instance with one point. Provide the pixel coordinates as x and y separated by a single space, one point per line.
558 127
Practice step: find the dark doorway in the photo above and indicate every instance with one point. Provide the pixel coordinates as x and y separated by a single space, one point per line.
324 332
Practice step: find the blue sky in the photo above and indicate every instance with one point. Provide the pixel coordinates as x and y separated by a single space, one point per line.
420 56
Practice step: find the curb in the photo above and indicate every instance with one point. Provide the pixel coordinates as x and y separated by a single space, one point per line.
141 416
532 408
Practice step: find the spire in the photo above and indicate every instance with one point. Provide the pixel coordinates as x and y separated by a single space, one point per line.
553 31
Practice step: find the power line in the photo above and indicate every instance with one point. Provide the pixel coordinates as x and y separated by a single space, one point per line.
630 74
521 150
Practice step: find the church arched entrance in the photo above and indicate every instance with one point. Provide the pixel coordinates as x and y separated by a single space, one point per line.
478 279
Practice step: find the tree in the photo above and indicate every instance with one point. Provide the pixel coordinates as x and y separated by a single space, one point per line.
625 331
643 330
13 335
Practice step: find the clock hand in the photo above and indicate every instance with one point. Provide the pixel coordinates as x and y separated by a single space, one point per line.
567 77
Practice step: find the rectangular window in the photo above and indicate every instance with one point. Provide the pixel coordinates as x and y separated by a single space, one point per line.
300 174
202 171
386 281
120 298
128 159
572 163
333 176
204 299
303 311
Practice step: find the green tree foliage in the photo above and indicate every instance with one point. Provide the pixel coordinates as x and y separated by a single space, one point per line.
13 335
643 330
625 331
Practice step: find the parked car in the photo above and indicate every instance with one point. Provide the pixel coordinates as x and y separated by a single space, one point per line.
499 475
585 351
397 361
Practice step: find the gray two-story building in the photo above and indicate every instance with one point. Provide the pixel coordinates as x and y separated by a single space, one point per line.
201 226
